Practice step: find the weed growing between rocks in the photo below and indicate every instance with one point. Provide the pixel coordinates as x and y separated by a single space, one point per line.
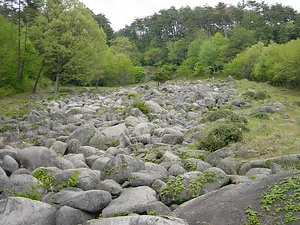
141 105
48 179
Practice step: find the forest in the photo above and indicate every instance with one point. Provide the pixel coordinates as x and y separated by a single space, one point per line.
55 43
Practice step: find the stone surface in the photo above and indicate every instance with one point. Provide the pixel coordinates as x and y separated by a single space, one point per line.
14 210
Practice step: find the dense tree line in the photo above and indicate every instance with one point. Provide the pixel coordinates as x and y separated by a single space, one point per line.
61 42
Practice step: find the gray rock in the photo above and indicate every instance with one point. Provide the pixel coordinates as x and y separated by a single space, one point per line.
158 208
63 163
172 139
133 200
254 172
215 157
138 220
229 165
111 186
86 151
90 201
26 211
154 107
182 188
9 165
83 134
100 163
228 204
73 145
78 160
8 150
88 179
24 184
114 133
59 147
142 129
218 179
176 169
145 178
3 179
70 216
100 141
34 157
120 167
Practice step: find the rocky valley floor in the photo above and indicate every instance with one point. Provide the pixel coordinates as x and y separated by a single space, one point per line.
142 155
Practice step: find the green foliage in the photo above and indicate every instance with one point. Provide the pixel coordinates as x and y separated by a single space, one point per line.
139 74
252 217
261 95
260 115
72 182
17 65
126 213
45 176
73 51
226 114
221 136
141 105
160 76
280 65
49 181
242 66
32 195
283 198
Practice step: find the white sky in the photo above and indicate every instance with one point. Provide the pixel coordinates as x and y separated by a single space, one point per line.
123 12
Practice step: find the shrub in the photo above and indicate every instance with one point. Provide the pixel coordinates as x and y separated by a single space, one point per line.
140 104
260 115
261 95
221 136
227 114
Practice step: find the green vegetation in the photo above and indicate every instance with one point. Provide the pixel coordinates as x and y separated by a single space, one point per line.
177 186
221 136
141 105
40 50
281 199
49 181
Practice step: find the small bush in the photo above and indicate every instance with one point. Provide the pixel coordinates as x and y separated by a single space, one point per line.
260 115
261 95
140 104
227 114
221 136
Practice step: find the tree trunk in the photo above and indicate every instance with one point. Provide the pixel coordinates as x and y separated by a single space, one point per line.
56 84
19 78
25 51
38 77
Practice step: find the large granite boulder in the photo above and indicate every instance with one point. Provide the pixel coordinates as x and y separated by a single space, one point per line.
232 204
17 211
138 220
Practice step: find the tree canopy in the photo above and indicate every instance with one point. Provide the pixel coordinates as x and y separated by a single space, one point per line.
61 42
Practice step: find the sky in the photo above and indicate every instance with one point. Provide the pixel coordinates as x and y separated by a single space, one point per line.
124 12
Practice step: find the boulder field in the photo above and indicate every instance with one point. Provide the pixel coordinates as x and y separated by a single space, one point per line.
127 157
